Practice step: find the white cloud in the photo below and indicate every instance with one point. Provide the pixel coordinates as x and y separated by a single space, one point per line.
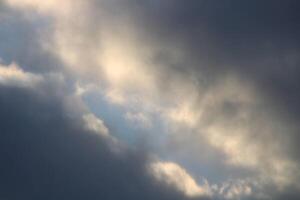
13 75
95 124
172 174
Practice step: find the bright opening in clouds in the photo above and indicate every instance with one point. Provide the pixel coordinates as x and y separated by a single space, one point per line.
126 99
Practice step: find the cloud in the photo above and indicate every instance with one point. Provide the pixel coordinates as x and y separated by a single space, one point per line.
176 176
13 75
219 79
235 189
94 124
50 153
172 174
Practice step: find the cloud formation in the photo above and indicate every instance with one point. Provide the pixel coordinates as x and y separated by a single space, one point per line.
53 153
213 85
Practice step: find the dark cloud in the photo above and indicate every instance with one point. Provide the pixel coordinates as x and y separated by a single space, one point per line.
46 154
258 40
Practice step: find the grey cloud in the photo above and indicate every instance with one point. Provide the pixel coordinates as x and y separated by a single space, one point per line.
47 154
258 40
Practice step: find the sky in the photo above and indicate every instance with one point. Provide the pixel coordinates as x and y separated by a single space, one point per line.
149 99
